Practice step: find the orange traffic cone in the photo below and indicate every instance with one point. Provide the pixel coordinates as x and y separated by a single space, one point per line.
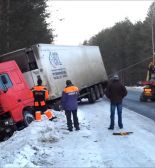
49 114
38 115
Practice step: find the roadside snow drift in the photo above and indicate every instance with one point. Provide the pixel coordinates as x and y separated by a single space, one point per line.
20 150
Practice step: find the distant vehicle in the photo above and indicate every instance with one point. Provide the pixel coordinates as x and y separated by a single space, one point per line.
148 93
149 89
142 83
15 99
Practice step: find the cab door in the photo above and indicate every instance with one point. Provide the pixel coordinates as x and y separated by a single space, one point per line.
15 93
7 95
22 92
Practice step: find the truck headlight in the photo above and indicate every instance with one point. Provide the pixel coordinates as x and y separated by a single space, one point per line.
8 122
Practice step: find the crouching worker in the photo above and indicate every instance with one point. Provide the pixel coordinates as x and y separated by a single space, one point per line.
40 94
69 104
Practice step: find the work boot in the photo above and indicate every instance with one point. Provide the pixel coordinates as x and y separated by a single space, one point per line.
70 129
120 126
77 128
111 128
52 118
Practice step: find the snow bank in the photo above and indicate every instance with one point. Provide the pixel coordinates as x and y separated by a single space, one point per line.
21 148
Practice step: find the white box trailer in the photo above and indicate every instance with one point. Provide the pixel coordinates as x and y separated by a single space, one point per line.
55 64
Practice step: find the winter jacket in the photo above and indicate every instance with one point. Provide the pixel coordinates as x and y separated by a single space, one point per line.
69 98
115 91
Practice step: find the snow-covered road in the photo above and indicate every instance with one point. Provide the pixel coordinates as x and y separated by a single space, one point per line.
49 144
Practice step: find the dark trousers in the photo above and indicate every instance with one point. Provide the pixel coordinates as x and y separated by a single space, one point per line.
69 114
41 108
119 112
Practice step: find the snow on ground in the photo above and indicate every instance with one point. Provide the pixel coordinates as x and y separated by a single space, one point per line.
49 144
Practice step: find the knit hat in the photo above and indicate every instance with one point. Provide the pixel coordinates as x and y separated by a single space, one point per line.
68 82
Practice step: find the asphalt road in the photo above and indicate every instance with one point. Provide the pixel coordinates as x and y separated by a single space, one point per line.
144 108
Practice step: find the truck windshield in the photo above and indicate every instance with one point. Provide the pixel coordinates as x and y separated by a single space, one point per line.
5 82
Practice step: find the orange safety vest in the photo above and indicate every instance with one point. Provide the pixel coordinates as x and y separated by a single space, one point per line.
71 89
40 94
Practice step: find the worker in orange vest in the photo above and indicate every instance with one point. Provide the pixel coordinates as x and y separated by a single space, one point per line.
69 102
40 94
151 70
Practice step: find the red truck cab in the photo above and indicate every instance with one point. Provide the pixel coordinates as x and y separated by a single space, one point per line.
16 101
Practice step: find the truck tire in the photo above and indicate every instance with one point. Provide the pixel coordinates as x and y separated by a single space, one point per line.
5 136
7 133
92 96
28 117
97 93
101 90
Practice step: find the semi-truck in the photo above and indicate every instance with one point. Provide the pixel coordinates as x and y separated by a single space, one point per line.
54 64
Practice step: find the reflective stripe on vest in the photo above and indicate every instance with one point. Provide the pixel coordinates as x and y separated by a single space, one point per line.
42 103
36 103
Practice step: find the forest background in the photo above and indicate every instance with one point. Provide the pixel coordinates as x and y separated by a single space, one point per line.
126 48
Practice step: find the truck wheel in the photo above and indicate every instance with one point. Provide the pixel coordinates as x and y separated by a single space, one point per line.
28 117
7 133
101 90
97 93
92 96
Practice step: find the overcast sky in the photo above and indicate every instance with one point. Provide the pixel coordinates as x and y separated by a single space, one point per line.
76 21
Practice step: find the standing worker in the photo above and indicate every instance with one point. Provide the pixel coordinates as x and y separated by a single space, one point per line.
70 104
40 94
151 70
115 92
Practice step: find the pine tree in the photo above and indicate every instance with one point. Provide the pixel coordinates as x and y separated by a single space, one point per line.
24 24
126 44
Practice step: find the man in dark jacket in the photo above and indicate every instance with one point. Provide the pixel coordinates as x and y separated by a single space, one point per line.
69 104
116 92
